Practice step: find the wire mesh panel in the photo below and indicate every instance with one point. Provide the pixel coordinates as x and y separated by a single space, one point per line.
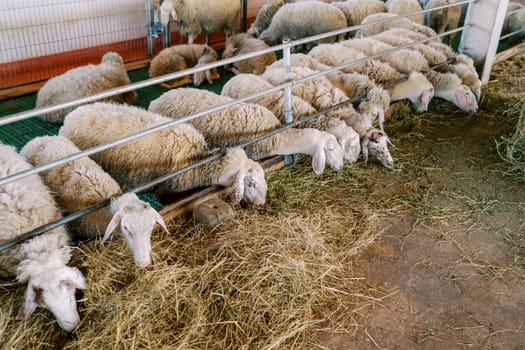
44 38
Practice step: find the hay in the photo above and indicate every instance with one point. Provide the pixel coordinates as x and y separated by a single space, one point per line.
272 277
512 148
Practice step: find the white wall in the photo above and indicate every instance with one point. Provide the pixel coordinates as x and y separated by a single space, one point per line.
34 28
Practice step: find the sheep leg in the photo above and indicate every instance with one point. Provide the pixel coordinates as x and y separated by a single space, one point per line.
177 83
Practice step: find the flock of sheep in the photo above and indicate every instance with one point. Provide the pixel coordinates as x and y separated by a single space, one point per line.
336 137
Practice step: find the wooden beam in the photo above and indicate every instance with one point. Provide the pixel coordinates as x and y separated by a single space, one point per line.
187 204
505 55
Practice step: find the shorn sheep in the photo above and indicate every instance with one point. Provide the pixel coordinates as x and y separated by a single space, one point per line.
81 183
160 153
184 56
303 19
240 122
246 84
242 43
444 19
196 16
404 7
41 262
84 81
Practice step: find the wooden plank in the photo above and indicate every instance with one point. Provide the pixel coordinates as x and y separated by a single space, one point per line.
505 55
186 205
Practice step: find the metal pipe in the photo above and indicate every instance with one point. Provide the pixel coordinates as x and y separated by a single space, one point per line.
288 117
190 117
149 27
157 80
503 37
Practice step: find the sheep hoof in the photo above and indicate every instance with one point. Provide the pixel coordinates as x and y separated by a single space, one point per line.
213 212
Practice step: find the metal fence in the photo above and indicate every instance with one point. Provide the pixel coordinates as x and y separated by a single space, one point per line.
42 39
285 48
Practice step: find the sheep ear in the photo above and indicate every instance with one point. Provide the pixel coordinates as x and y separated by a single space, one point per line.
209 76
159 220
75 277
364 148
381 118
425 100
318 160
30 303
115 221
238 187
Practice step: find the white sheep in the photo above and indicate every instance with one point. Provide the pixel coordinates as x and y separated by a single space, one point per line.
449 86
404 7
264 17
81 183
246 84
85 81
444 19
197 16
416 88
372 100
242 43
432 56
357 10
184 56
402 60
395 23
303 19
463 67
322 95
240 122
166 151
41 262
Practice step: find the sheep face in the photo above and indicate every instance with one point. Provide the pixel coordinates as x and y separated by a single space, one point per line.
375 144
461 96
136 220
54 289
255 186
332 154
465 99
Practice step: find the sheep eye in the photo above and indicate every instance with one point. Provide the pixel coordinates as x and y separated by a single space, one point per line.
251 184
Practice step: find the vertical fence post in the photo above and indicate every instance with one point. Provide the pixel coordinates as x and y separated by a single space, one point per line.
150 19
288 117
244 20
480 41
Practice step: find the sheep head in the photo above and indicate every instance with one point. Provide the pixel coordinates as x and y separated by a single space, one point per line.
167 10
417 89
249 184
347 138
461 96
136 220
327 151
51 286
375 143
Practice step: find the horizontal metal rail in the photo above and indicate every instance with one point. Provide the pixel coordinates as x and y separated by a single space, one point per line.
157 80
83 212
131 137
153 81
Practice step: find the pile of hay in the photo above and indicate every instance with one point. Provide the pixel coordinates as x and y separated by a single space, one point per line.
266 280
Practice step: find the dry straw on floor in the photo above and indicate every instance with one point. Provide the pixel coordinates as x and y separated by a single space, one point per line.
270 278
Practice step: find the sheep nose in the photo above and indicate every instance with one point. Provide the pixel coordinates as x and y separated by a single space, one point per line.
143 263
